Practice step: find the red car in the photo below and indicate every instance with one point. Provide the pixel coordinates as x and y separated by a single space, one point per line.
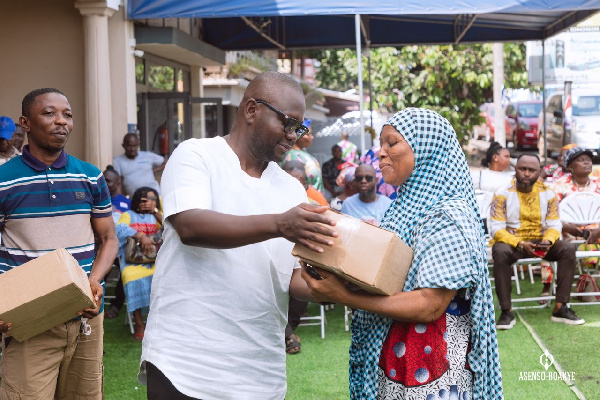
522 117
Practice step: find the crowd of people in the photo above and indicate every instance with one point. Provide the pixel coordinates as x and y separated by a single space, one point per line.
224 294
520 209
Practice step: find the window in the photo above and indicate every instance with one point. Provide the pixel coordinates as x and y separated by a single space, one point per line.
586 105
530 110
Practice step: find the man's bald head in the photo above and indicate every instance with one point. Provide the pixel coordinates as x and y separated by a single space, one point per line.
366 169
270 101
269 84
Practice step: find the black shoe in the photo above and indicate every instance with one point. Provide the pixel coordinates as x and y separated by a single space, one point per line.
506 321
567 316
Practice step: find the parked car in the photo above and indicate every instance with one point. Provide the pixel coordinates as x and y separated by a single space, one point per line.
585 122
486 130
523 117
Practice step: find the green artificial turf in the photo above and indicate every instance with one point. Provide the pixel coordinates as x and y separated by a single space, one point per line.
575 348
121 362
320 370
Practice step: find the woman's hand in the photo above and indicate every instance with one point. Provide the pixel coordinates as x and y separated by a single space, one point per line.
330 289
147 206
147 245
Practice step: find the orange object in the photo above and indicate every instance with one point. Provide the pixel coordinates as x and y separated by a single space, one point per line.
163 140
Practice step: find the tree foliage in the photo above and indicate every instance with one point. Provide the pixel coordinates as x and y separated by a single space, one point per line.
450 79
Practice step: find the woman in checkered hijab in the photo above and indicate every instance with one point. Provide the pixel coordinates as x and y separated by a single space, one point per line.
437 339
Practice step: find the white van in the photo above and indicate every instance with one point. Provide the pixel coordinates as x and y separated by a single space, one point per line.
585 122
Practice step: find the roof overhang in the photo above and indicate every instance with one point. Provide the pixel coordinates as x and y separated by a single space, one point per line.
176 45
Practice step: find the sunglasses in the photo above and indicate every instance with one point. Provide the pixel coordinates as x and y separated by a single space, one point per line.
359 178
291 124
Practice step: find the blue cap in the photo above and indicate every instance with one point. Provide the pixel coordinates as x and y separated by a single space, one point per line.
7 128
307 122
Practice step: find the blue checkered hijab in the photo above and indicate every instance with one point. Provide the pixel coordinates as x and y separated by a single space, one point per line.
436 214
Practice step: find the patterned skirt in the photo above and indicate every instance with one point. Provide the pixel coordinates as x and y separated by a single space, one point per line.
428 361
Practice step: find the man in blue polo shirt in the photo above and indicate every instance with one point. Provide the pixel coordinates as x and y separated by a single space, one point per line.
366 205
50 200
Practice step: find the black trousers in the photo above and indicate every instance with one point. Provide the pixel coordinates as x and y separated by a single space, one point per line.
504 255
160 387
119 295
296 309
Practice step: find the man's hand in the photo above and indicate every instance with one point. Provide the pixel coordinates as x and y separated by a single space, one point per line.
5 326
97 293
527 248
306 224
594 236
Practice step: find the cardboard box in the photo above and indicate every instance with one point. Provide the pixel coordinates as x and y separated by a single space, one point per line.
370 257
43 293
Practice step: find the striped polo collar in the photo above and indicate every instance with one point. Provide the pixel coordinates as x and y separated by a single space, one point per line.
36 164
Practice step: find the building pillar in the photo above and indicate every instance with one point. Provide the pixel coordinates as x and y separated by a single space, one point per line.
98 135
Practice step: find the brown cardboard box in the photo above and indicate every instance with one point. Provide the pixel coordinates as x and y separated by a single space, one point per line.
370 257
43 293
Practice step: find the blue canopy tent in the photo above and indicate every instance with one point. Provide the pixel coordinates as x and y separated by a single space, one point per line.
293 24
305 24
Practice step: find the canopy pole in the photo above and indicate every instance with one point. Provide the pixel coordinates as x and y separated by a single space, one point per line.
544 102
370 85
360 84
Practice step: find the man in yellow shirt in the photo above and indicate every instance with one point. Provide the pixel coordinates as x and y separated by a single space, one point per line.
525 223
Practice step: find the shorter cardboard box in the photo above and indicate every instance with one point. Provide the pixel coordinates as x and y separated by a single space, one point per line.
368 256
43 293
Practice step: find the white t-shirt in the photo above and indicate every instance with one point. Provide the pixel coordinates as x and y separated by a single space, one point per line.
486 182
138 172
217 317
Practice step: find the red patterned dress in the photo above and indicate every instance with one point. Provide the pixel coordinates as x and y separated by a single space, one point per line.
428 361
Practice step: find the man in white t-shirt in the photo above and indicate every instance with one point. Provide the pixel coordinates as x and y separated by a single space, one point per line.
137 167
225 270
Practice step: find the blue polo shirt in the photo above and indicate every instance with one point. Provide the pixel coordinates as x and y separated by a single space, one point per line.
43 208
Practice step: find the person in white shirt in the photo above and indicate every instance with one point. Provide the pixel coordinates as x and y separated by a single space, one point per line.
225 271
137 167
496 174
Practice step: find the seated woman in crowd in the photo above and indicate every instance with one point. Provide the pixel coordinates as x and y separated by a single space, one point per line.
495 174
140 222
551 172
577 164
496 167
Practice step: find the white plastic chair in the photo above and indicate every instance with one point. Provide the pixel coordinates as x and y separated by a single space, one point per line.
582 208
316 320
